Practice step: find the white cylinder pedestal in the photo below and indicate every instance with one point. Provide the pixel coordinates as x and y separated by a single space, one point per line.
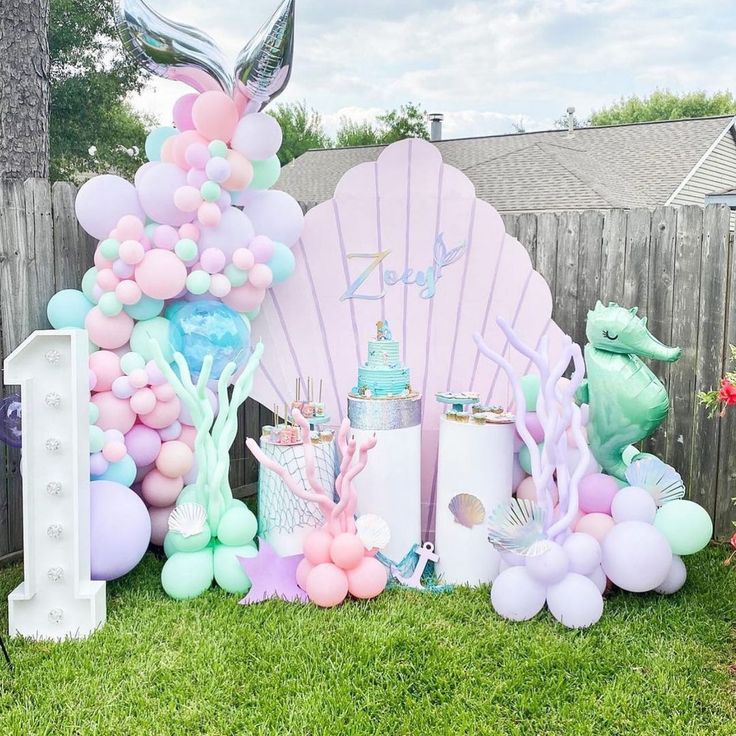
391 484
475 466
283 519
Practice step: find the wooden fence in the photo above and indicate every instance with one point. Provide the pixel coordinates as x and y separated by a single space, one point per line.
677 265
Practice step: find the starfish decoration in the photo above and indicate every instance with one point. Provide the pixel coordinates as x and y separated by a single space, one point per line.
271 576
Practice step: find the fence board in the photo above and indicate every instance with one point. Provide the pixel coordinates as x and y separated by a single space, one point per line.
566 286
547 249
685 310
614 257
636 266
73 248
709 361
527 234
590 264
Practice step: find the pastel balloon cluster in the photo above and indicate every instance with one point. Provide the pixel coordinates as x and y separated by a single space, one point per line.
198 224
337 565
567 577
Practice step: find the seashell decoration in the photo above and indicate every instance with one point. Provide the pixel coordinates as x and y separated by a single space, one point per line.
189 519
405 239
467 509
662 481
373 531
518 526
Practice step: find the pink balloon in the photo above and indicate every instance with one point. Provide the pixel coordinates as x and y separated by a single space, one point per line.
302 572
175 459
103 201
144 445
114 452
368 579
130 227
188 436
261 276
347 551
215 115
597 525
108 332
212 260
164 392
166 237
128 292
528 491
209 215
143 401
535 427
182 143
164 415
234 231
317 546
241 172
597 492
327 585
245 298
159 491
183 112
131 252
243 259
262 248
161 275
188 199
106 367
159 524
107 280
156 193
122 270
114 413
189 232
220 286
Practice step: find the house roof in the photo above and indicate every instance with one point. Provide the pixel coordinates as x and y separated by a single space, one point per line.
639 165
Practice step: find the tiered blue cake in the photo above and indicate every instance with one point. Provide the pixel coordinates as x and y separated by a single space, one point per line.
383 375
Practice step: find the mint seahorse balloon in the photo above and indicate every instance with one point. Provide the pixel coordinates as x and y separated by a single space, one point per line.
627 401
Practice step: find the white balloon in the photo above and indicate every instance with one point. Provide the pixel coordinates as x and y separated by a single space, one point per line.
550 567
633 504
575 602
584 553
599 578
516 596
675 579
275 214
258 136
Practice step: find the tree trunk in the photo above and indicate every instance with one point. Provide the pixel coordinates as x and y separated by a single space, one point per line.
24 89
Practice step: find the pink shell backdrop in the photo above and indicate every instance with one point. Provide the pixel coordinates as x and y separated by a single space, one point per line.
420 210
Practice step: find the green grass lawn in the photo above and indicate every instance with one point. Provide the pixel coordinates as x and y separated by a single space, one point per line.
407 663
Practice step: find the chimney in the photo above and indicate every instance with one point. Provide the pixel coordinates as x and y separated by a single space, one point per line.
570 121
435 122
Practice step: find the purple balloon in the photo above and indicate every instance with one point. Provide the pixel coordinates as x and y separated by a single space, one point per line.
156 189
234 231
549 567
516 596
144 445
120 530
258 136
275 214
575 602
183 112
218 169
584 553
102 201
97 464
633 504
636 556
10 421
675 579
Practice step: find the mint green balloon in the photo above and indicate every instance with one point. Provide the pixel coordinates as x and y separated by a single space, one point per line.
210 191
229 573
525 458
152 329
198 282
88 283
110 248
686 525
177 542
190 494
110 305
147 308
530 388
96 438
94 413
265 173
186 249
235 276
132 362
68 308
218 149
238 525
188 574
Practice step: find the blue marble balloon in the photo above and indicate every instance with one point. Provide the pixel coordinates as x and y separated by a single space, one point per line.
10 421
199 329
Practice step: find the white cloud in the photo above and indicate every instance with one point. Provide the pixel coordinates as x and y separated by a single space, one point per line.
485 64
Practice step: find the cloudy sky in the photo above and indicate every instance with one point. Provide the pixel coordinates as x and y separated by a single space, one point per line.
486 64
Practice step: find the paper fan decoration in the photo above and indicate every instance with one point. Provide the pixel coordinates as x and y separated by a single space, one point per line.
468 510
404 239
189 519
662 481
518 526
373 531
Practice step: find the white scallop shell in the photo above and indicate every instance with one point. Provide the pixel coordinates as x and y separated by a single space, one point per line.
661 480
373 531
189 519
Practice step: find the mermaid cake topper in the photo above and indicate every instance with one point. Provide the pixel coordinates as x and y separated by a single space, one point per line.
383 331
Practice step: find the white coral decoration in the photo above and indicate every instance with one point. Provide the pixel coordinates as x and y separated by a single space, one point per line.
189 519
373 531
